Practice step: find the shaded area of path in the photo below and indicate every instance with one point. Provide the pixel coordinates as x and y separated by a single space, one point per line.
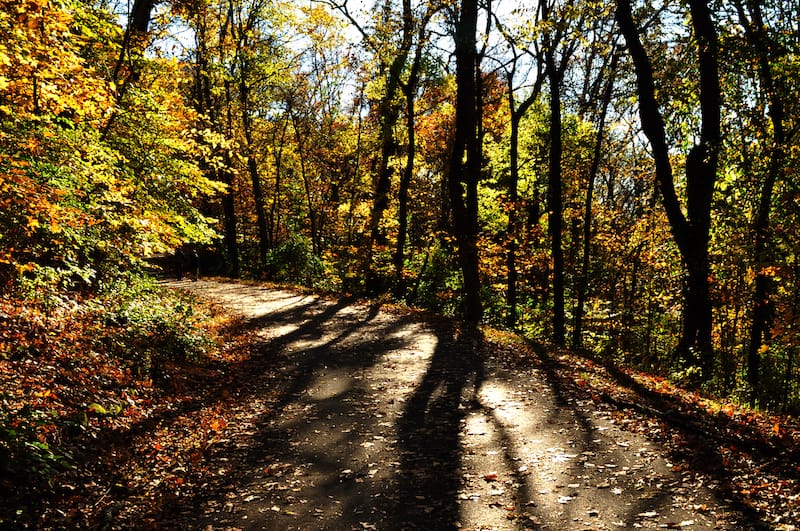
358 418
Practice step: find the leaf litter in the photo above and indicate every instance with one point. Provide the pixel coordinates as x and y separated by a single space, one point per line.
167 457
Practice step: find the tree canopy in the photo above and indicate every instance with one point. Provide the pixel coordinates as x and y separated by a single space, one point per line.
623 175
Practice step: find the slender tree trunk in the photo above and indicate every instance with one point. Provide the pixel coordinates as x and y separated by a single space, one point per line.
555 201
228 205
208 104
138 23
465 163
400 285
583 276
274 217
230 238
354 192
762 307
313 218
255 177
389 115
691 232
133 42
517 113
513 199
409 91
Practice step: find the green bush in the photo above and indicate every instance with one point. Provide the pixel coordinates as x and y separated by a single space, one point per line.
149 325
294 261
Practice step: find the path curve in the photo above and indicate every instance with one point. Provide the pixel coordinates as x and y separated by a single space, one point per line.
385 420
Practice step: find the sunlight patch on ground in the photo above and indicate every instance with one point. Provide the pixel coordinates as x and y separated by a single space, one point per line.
330 384
475 425
409 361
492 394
251 301
283 330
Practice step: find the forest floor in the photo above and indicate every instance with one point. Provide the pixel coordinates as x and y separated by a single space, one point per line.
341 415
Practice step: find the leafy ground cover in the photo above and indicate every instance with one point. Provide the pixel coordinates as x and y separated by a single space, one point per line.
112 417
85 384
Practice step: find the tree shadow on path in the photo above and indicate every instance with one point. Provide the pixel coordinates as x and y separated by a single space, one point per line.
700 438
430 475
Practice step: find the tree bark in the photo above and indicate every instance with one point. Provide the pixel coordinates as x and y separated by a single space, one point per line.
133 40
465 163
762 307
517 113
206 103
389 114
691 232
249 148
274 217
555 213
409 91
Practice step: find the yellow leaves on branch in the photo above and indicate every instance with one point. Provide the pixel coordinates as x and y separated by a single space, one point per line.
41 68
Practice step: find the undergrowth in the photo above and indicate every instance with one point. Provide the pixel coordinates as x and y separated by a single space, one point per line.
74 364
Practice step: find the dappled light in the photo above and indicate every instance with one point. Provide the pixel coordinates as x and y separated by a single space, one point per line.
399 264
382 418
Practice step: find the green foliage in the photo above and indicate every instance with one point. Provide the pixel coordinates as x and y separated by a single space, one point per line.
294 261
21 451
148 325
438 285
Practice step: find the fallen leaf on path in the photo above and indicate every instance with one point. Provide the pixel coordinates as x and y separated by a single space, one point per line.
676 525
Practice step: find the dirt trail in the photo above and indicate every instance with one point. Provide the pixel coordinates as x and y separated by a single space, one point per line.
364 419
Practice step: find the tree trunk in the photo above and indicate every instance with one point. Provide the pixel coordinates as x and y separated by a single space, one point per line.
274 217
691 232
400 285
701 174
229 200
513 200
255 177
762 310
313 219
465 163
230 239
136 30
133 41
206 103
555 201
409 91
517 113
389 113
583 277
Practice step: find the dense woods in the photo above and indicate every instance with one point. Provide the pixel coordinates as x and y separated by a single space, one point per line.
616 177
625 171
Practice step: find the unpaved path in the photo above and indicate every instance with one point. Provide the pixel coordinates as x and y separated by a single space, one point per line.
364 419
